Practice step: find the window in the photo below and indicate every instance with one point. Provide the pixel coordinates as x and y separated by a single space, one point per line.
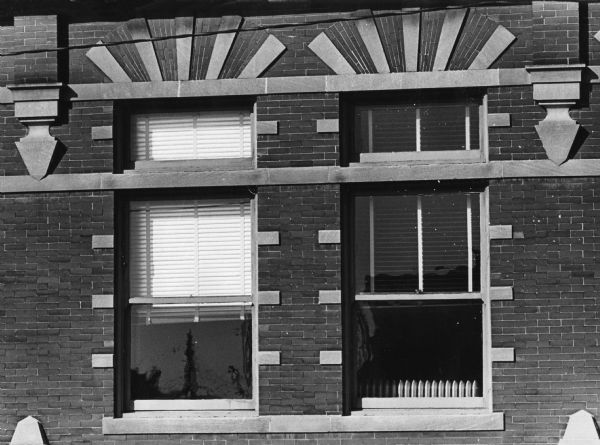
417 310
189 137
418 128
190 304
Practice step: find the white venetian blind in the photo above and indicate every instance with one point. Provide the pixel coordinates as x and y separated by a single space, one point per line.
199 135
190 248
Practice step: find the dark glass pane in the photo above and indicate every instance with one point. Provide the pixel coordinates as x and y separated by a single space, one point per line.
445 242
420 341
442 127
391 222
474 126
392 129
190 353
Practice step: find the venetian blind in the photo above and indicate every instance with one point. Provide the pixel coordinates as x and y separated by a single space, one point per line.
178 136
190 248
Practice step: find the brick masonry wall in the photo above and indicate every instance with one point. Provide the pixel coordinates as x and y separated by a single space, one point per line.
48 330
555 32
297 144
300 327
36 32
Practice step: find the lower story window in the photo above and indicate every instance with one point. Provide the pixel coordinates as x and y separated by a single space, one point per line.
417 310
190 305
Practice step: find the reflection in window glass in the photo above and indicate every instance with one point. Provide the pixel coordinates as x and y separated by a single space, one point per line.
190 352
417 243
418 349
434 125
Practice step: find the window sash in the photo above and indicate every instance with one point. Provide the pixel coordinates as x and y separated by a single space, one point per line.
191 135
190 248
379 259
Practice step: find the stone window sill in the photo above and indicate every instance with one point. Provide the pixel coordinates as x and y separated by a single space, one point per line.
134 424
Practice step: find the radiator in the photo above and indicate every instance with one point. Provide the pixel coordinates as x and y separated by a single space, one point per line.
419 388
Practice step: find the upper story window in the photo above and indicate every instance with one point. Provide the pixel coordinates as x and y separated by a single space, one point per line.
417 307
189 137
190 305
425 128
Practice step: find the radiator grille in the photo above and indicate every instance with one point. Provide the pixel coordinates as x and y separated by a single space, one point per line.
420 388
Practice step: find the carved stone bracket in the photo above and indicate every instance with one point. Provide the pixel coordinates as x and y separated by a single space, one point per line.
557 88
36 107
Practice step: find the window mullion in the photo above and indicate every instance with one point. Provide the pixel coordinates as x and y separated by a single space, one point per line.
372 243
467 127
420 241
418 128
469 244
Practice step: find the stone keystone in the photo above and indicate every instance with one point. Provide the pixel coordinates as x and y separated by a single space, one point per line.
557 88
36 107
581 430
29 431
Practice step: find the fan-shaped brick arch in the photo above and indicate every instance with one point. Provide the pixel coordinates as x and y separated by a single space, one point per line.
202 48
454 39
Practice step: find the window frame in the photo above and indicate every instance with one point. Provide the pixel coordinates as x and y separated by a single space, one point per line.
351 102
404 405
125 112
124 404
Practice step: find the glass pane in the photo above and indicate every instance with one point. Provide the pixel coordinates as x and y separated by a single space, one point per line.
442 127
386 244
435 343
445 242
191 352
387 128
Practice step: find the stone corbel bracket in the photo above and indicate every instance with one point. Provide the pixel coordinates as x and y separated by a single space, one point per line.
36 107
557 88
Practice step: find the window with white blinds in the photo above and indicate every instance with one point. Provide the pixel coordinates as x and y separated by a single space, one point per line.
191 135
190 248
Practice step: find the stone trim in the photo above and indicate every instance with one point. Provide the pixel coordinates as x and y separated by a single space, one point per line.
501 232
268 52
222 45
269 297
102 133
451 27
301 175
503 354
102 360
269 357
330 357
267 238
328 126
103 241
267 127
411 24
103 301
501 293
330 297
329 236
370 37
305 424
300 84
139 31
105 61
325 50
498 119
498 42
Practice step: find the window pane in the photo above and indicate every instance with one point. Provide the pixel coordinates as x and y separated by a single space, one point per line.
445 242
387 128
400 342
190 353
386 236
386 244
442 127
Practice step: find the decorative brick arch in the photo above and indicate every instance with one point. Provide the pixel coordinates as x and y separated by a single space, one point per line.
220 50
456 39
